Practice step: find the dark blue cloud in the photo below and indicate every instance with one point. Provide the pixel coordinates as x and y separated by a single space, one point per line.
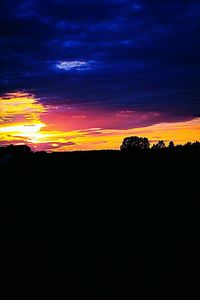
141 54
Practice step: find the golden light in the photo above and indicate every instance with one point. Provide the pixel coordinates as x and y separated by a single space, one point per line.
20 117
22 129
20 104
22 121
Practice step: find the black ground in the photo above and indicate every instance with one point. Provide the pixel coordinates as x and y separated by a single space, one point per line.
100 225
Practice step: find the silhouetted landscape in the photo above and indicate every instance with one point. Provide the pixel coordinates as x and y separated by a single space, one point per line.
101 224
99 149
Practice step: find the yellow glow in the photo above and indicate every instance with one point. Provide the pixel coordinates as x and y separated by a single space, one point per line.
20 120
180 132
20 104
25 129
20 117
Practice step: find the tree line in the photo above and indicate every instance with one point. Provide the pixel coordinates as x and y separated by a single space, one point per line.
131 143
141 143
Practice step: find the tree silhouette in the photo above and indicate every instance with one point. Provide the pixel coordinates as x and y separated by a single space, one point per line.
135 143
171 144
19 149
16 149
159 145
196 145
188 145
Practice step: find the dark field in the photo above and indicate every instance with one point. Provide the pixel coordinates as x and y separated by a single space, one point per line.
100 225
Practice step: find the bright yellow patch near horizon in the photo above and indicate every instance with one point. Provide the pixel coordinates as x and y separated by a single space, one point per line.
21 122
20 117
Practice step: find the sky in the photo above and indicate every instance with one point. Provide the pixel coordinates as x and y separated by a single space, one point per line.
84 74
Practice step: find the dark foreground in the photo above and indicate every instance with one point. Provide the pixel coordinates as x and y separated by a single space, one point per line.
100 225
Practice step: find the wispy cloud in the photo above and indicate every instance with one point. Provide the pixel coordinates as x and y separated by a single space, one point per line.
73 65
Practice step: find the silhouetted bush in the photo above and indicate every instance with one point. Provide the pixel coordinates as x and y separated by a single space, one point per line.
11 153
171 144
16 149
159 145
135 143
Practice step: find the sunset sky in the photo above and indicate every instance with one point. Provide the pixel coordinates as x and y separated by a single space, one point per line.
84 74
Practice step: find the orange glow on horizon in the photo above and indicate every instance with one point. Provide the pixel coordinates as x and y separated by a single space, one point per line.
23 119
20 118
